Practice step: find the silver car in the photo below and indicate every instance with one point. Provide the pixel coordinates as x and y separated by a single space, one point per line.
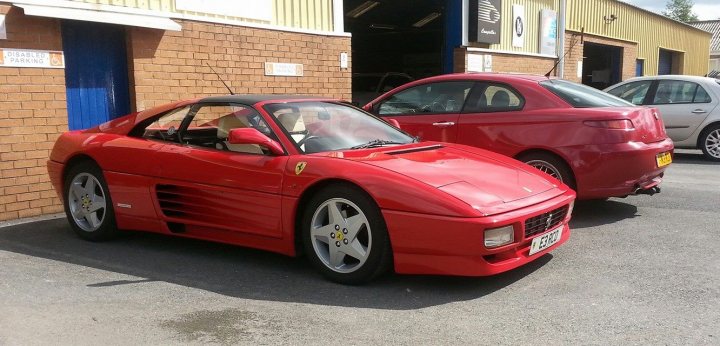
688 105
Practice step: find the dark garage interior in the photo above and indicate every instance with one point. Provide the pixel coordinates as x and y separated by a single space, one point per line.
601 65
393 43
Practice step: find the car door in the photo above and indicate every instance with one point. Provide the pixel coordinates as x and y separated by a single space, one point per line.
633 92
207 184
492 119
429 111
683 105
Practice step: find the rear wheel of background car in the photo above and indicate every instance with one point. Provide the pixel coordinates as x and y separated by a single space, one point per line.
344 235
710 143
552 165
87 202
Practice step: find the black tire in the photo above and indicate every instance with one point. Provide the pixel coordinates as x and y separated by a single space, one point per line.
106 228
553 163
378 259
709 136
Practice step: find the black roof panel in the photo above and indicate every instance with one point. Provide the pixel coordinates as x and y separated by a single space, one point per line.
253 99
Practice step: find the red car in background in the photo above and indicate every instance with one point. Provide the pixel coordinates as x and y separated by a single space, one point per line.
293 174
599 145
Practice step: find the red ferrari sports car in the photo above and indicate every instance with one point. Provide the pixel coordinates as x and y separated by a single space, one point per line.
599 145
356 194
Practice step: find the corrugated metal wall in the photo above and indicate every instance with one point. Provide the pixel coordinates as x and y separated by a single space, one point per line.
532 24
299 14
651 32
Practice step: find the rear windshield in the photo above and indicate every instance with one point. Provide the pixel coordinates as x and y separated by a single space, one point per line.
582 96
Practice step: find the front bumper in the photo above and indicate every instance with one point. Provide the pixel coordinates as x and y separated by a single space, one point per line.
619 170
440 245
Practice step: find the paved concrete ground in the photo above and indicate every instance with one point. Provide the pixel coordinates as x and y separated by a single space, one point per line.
641 270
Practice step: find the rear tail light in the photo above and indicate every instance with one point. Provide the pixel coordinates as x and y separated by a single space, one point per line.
619 124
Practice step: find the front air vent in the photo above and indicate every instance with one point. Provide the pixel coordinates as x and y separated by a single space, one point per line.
414 150
545 221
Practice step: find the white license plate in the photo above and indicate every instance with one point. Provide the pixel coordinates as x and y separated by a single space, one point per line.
546 240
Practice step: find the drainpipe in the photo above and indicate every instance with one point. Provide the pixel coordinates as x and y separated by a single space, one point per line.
561 39
338 16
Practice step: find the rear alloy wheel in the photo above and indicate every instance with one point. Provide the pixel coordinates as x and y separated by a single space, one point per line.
710 143
345 236
550 165
87 203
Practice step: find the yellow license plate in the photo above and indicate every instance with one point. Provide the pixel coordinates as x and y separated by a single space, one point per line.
663 159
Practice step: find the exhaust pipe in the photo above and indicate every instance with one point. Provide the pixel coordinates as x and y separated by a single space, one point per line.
649 191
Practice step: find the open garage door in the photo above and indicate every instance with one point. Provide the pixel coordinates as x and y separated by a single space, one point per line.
393 42
602 65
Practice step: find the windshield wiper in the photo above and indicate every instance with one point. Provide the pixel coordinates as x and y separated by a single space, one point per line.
374 143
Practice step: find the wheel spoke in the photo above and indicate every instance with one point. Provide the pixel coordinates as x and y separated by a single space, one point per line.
334 215
355 250
354 224
336 257
93 219
90 186
77 191
77 212
322 233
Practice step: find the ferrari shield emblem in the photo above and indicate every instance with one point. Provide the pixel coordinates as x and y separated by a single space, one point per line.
299 167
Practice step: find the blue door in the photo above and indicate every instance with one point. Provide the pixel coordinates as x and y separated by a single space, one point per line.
665 62
639 67
96 73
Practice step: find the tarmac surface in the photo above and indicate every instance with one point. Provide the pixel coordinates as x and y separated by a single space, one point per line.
639 270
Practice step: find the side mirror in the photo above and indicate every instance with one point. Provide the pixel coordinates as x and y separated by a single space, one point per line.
250 135
393 122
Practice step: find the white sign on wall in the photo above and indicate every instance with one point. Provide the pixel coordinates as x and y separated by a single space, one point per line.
548 32
283 69
579 68
31 58
474 63
3 31
487 63
518 31
343 60
250 9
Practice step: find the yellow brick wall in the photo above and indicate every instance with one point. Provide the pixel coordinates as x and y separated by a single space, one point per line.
172 65
32 115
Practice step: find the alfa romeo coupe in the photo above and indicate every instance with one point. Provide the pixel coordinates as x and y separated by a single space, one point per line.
598 144
317 176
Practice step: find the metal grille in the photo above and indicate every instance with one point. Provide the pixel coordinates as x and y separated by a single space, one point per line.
545 221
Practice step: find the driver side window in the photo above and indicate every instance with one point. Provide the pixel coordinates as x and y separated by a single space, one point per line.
432 98
167 126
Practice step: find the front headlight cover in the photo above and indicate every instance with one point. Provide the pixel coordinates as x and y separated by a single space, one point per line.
495 237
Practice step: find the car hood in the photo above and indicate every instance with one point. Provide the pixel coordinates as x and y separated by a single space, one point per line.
478 177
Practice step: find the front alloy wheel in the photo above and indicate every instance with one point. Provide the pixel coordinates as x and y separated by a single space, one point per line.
341 235
345 236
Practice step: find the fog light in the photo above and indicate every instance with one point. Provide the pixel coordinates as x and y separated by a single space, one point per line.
499 236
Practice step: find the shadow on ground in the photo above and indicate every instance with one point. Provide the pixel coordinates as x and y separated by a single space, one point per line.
598 212
694 158
241 272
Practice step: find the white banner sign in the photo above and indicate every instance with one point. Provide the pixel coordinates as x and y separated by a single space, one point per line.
283 69
548 32
3 31
31 58
518 37
474 63
250 9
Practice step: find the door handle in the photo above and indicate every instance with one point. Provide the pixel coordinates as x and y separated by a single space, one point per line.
444 124
699 111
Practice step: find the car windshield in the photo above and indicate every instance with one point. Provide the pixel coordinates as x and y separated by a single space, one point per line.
320 126
582 96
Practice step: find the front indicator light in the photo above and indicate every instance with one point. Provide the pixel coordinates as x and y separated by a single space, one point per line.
499 236
570 210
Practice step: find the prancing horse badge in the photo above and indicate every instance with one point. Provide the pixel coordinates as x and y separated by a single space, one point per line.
299 167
